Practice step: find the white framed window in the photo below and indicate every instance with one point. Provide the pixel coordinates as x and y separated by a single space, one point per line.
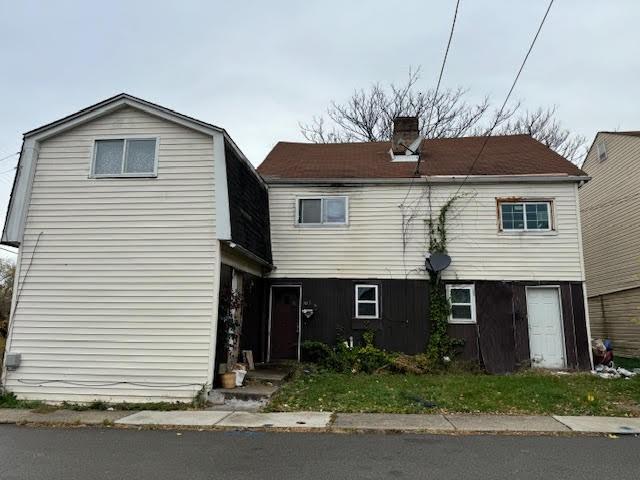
525 216
367 301
322 210
601 148
125 157
462 299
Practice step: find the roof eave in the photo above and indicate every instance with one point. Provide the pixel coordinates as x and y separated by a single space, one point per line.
113 103
453 179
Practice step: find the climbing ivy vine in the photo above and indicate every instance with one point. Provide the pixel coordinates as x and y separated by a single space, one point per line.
440 344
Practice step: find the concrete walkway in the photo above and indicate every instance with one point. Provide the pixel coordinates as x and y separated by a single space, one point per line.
326 421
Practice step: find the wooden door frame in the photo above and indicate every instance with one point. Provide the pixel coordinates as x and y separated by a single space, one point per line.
559 290
299 287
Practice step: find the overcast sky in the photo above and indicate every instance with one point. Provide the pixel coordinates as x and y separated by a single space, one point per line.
256 68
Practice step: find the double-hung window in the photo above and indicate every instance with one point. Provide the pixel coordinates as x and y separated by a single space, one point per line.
322 211
125 157
463 303
601 149
367 301
525 216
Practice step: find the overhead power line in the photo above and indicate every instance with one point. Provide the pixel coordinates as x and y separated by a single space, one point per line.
506 100
435 96
8 250
9 156
444 62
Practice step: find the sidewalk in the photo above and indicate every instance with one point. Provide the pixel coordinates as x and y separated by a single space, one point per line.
329 422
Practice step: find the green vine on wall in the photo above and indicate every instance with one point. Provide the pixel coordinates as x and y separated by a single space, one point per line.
440 344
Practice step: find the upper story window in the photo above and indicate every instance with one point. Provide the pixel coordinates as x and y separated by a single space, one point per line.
322 211
367 301
125 157
463 303
601 147
525 216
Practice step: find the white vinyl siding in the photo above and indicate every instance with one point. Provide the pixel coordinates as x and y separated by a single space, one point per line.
121 285
372 246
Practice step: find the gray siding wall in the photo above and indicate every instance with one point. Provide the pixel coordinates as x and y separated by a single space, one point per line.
610 210
617 316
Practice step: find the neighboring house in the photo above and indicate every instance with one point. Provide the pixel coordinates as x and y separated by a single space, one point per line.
130 218
610 208
349 236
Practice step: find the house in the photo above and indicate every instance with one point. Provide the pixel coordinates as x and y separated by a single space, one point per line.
610 209
136 224
130 218
349 232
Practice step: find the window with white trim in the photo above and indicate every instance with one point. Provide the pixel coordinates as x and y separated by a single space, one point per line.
462 299
125 157
367 301
322 211
525 216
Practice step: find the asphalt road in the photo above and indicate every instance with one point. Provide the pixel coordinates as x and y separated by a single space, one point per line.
88 453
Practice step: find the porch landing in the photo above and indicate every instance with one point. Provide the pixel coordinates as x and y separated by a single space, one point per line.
259 386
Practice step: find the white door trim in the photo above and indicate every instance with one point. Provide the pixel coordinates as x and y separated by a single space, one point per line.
299 287
563 342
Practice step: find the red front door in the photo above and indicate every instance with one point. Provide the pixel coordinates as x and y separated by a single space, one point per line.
285 321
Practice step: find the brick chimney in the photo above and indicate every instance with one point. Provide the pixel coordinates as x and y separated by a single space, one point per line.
405 132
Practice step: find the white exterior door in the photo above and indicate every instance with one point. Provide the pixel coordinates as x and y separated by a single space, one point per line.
546 339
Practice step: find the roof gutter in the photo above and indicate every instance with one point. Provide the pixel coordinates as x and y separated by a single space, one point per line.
451 179
240 249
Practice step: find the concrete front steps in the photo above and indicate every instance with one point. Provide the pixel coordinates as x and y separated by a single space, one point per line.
259 385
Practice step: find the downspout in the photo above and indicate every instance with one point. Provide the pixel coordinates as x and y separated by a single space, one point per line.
585 299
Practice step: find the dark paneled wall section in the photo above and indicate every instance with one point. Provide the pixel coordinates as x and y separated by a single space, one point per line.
499 340
254 322
248 207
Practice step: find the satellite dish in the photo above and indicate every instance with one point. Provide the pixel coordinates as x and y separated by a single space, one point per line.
437 262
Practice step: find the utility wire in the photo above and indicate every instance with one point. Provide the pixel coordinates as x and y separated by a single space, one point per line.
13 169
504 104
444 62
9 156
435 96
20 286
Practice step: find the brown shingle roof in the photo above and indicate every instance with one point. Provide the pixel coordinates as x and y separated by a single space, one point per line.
503 155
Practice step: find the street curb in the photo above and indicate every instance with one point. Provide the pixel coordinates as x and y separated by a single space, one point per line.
488 424
327 430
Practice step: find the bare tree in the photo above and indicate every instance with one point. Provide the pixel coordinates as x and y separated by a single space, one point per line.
542 125
7 274
368 115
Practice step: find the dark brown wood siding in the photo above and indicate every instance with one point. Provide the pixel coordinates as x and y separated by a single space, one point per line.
254 325
404 310
248 207
494 314
499 340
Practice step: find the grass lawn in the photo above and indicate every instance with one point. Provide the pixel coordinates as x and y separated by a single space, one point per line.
522 393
